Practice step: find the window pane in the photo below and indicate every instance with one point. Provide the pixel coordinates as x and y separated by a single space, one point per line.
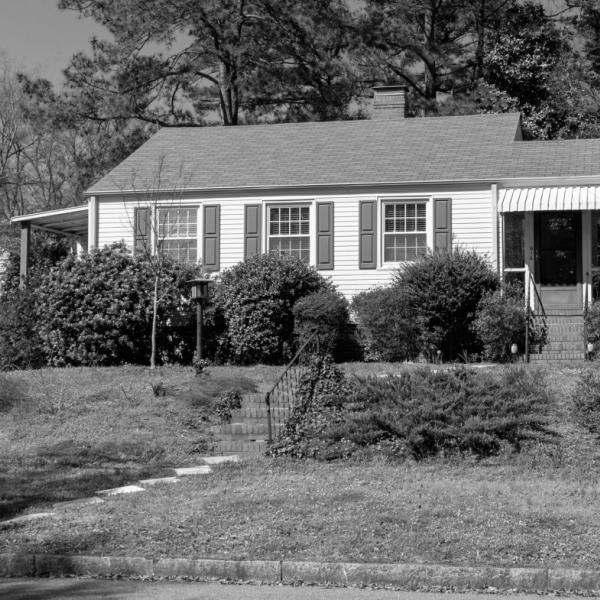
178 233
514 240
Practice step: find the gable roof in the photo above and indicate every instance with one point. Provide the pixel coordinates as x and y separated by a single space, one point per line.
433 149
472 147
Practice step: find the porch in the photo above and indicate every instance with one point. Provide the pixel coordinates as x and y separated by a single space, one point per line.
550 242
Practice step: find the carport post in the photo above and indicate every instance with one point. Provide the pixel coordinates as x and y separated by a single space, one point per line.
25 247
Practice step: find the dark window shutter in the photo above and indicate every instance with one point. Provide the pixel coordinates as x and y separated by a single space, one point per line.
141 230
252 222
325 236
442 225
211 238
367 258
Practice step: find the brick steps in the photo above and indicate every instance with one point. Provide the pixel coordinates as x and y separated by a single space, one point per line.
248 431
565 336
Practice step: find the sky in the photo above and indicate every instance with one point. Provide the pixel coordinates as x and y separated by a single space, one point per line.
38 38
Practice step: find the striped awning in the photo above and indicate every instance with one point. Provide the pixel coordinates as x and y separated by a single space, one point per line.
579 197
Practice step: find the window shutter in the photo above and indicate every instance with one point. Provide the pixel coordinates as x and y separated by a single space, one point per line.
442 225
141 230
252 221
325 236
367 258
211 238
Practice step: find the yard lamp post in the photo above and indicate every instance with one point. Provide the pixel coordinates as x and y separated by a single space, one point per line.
199 295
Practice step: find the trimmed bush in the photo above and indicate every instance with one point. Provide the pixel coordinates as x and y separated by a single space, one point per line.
254 301
442 293
325 312
420 414
385 326
97 309
500 322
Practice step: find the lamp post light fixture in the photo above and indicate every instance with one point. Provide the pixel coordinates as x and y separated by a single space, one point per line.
199 289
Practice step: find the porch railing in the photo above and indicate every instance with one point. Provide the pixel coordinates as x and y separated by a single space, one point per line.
282 397
534 307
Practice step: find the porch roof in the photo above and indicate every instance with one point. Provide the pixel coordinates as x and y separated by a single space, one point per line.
71 221
576 197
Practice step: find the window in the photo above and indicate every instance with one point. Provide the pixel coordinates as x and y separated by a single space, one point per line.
178 233
404 231
289 231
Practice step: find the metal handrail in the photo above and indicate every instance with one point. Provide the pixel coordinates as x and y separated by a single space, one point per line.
529 308
291 381
533 302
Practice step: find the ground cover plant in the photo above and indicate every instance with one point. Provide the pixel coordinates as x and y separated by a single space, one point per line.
66 433
421 413
536 507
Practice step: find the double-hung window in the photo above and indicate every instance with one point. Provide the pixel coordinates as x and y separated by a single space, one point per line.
289 230
177 233
404 230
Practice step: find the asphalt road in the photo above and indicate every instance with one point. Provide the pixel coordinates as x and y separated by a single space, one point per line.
95 589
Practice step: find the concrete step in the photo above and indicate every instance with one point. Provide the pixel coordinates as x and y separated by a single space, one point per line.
243 447
251 401
239 429
550 356
564 346
247 415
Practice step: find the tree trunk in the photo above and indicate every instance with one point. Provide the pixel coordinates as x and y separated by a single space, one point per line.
154 324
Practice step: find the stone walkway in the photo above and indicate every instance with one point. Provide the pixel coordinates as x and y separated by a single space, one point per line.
140 486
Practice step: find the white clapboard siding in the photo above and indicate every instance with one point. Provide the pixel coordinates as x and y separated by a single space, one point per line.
471 230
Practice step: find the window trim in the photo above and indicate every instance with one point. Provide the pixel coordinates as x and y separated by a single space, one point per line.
311 235
427 200
156 228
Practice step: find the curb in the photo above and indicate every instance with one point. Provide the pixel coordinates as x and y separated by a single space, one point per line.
407 576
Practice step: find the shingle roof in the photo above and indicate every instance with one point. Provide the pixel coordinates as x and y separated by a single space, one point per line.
461 148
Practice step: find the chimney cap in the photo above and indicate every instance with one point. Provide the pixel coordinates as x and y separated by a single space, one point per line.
382 89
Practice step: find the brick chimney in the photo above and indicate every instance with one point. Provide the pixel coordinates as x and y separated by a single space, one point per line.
389 102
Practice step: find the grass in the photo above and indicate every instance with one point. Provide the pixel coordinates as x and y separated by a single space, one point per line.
66 433
540 507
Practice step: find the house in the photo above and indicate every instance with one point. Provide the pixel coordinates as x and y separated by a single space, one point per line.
356 198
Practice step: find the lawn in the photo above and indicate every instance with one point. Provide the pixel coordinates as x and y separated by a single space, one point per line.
65 433
541 507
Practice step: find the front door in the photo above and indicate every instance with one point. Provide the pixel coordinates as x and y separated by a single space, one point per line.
558 257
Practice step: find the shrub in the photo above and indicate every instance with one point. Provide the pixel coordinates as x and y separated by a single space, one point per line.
500 322
419 414
592 323
255 299
442 292
96 310
385 326
586 400
20 342
325 312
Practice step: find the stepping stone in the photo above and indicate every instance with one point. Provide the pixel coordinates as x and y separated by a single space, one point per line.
126 489
201 470
27 518
217 460
78 502
159 480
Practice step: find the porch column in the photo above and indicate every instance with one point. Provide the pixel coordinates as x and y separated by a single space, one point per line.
495 237
92 236
25 248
